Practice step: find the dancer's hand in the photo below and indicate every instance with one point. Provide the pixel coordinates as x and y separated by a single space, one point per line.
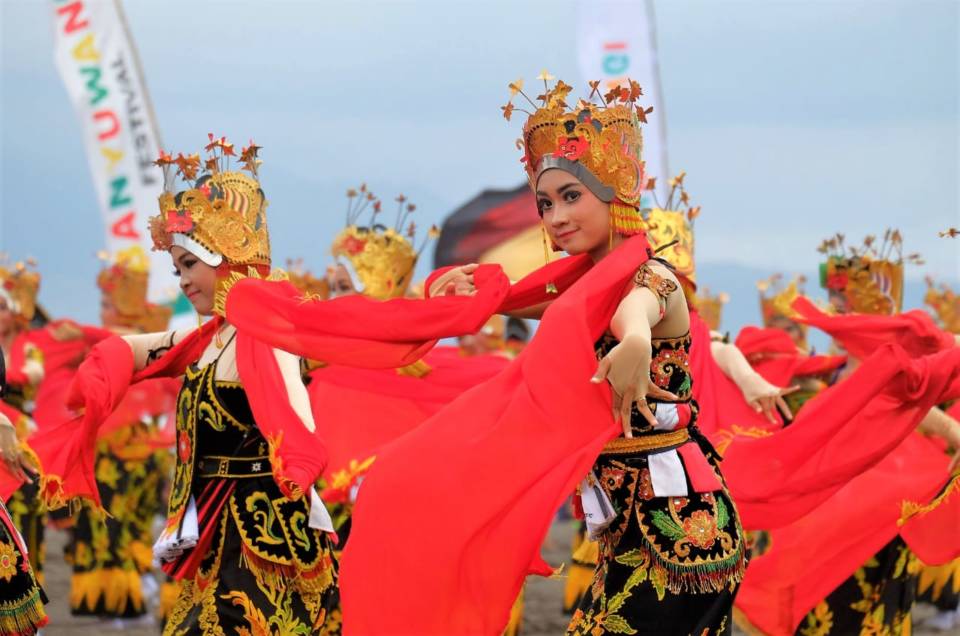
10 451
627 368
455 282
764 397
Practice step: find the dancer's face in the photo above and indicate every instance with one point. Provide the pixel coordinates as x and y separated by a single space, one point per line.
197 279
576 220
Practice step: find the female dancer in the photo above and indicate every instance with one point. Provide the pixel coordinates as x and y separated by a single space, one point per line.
672 552
244 530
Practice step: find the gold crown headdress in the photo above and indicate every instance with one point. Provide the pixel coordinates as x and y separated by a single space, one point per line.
710 307
382 257
306 282
945 303
776 299
19 284
124 280
869 277
776 303
223 216
600 144
670 227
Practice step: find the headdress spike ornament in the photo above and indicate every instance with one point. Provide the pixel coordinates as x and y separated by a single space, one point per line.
599 143
869 277
382 257
223 211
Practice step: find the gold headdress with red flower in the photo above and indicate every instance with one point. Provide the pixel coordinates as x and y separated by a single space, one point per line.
599 143
945 303
776 304
670 228
224 212
124 280
19 284
383 257
869 277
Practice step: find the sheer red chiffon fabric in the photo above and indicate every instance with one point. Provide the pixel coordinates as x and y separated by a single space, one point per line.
359 410
67 449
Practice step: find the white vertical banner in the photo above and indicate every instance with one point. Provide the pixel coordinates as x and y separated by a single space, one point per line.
616 40
98 62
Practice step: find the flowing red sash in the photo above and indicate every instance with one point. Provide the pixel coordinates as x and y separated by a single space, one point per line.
482 479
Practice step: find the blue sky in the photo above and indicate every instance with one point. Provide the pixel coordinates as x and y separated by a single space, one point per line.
793 120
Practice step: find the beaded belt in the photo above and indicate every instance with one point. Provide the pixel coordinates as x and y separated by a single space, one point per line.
646 443
233 467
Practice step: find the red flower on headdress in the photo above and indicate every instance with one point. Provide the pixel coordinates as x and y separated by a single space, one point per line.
8 284
179 221
837 281
353 245
571 148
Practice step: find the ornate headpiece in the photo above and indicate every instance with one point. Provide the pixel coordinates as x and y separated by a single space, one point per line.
670 228
776 298
19 284
302 279
710 307
124 279
870 277
946 305
599 143
223 216
382 257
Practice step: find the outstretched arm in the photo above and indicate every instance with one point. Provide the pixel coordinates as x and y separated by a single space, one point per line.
762 396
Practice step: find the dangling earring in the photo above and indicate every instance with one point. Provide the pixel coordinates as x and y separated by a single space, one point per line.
610 241
199 320
546 240
550 287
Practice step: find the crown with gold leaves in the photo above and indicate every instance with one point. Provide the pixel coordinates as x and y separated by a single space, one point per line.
224 213
945 303
710 307
776 303
383 257
19 284
599 143
124 280
670 227
306 282
869 277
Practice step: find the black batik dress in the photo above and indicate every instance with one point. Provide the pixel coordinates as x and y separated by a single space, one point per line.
669 564
258 567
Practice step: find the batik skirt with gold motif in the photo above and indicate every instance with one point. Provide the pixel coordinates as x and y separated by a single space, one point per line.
21 598
110 553
877 599
265 570
940 586
667 565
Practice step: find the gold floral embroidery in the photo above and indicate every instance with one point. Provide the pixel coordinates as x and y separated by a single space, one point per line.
8 561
